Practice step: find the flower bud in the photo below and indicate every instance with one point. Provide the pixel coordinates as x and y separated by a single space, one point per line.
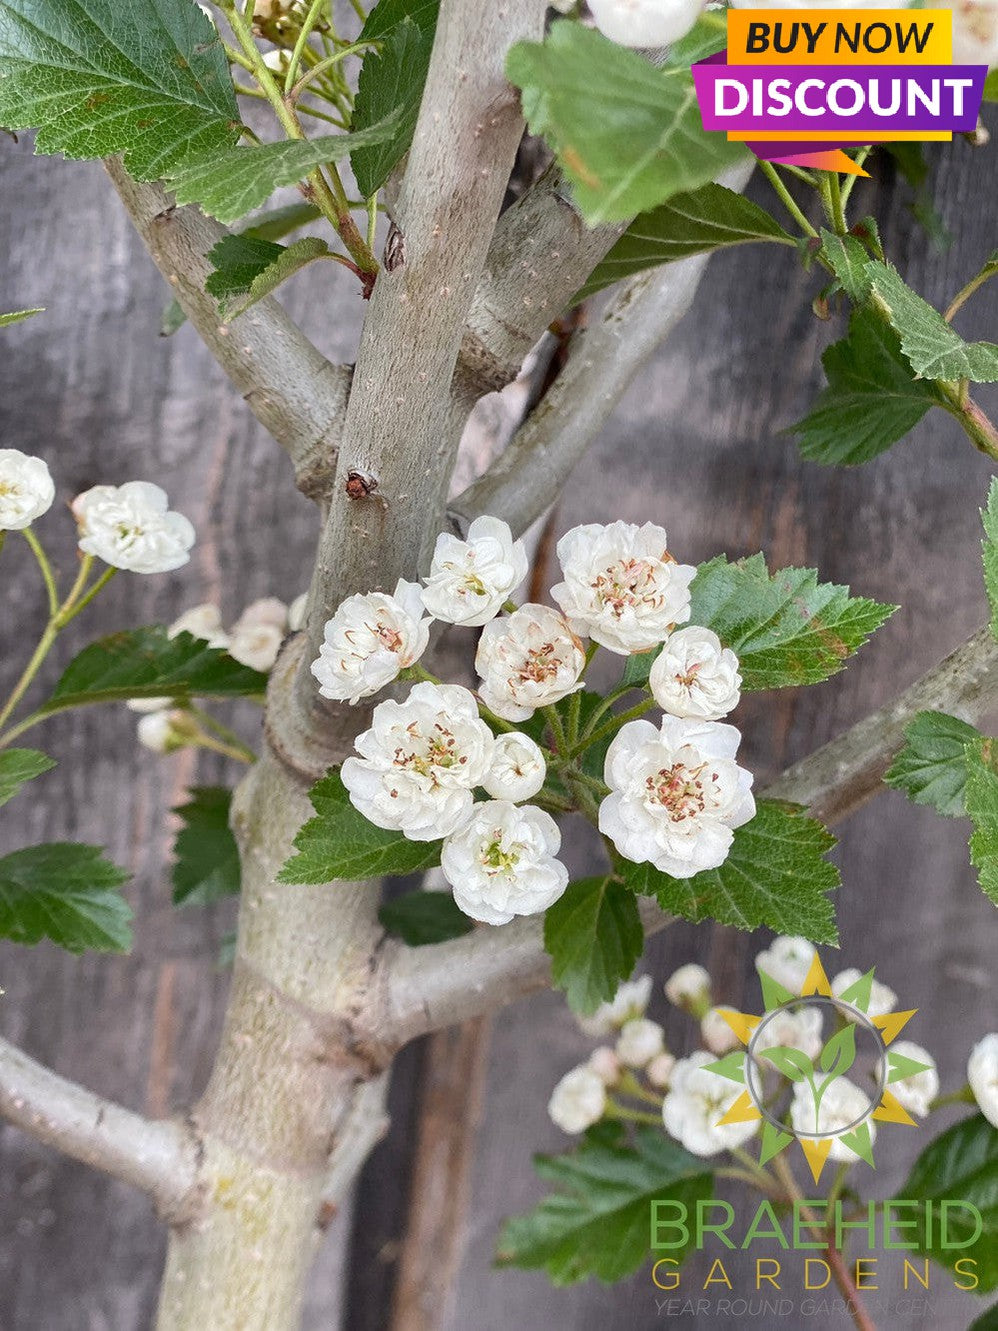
640 1041
689 988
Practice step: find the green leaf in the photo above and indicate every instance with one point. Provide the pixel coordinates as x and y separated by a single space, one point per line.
387 14
18 315
961 1164
597 1222
987 1321
839 1053
66 892
628 135
872 399
981 799
709 218
932 767
989 553
145 663
419 918
172 318
775 874
932 347
391 82
206 858
98 78
848 258
255 268
339 842
991 86
593 935
17 767
229 184
793 1063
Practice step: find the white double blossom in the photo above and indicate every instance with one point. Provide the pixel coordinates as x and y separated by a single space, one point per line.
715 1032
916 1091
621 586
369 640
527 660
982 1073
578 1101
471 580
696 1102
790 1029
630 1001
676 794
842 1107
689 988
882 999
501 862
694 676
26 489
257 634
975 32
640 1041
420 762
518 768
787 961
132 527
645 23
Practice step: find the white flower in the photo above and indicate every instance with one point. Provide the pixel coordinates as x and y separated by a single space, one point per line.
369 640
622 588
131 526
258 633
630 1000
578 1101
695 676
982 1073
659 1070
640 1041
527 660
689 988
975 32
420 762
916 1091
842 1108
676 794
787 961
471 580
790 1029
715 1032
26 489
165 731
518 768
201 621
501 862
605 1063
296 613
645 23
697 1100
277 61
882 999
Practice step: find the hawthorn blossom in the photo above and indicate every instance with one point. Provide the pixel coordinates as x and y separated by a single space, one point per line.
982 1073
715 1032
132 527
645 23
787 961
258 633
916 1091
788 1028
676 794
882 999
659 1070
471 580
26 489
630 1000
527 660
201 621
605 1063
296 613
696 1102
578 1101
369 640
518 768
689 988
420 762
843 1107
621 586
501 862
640 1041
165 731
694 676
975 32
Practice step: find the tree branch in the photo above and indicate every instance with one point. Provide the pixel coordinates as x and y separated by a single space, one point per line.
419 990
291 388
158 1156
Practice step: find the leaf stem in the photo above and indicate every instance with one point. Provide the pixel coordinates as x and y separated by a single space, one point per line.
837 207
964 294
772 175
216 727
615 723
46 568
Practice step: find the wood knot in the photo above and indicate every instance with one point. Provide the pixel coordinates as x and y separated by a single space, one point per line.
394 256
359 485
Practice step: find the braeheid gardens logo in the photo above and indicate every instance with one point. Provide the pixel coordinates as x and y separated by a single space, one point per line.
800 86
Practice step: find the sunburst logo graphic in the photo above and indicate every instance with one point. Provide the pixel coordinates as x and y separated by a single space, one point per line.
787 1045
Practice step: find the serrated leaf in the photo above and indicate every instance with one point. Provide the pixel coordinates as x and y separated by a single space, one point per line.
7 319
932 767
339 842
848 258
391 82
98 78
597 1222
65 892
145 663
932 347
230 184
387 14
981 799
628 135
420 918
593 936
18 767
872 399
205 854
775 874
989 553
255 268
961 1164
696 222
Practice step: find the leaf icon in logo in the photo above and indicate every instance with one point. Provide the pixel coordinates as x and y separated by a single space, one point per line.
793 1063
839 1054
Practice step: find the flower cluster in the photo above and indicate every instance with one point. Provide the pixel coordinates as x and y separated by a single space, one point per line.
672 793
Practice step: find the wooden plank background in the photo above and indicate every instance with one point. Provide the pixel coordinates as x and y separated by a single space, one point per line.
696 444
